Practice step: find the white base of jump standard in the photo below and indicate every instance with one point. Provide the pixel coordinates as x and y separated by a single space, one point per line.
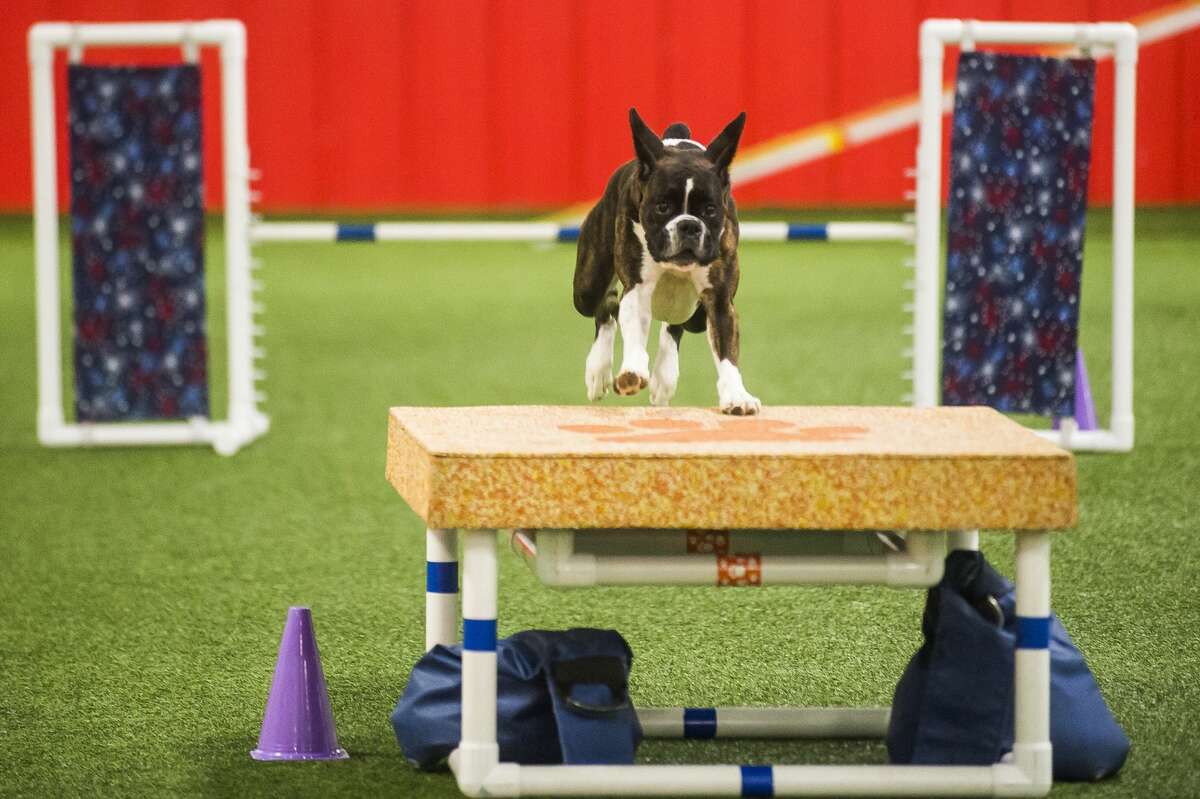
224 436
476 763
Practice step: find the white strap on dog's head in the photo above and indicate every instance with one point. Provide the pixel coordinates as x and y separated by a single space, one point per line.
677 142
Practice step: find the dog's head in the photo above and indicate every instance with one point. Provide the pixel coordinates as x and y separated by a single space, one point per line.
684 191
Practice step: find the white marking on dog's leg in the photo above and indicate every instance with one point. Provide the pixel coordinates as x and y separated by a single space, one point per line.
731 392
732 396
598 368
665 378
634 317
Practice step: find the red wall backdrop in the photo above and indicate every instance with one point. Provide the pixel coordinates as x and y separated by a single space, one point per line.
443 104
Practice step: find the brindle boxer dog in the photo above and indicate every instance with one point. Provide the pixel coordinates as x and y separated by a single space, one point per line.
666 231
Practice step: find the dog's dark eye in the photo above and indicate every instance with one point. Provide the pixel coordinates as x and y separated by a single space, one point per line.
710 210
663 208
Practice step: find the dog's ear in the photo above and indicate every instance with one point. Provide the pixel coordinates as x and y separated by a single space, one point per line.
649 148
722 149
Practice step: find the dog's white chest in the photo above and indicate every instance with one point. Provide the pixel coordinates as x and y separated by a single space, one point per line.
675 297
674 290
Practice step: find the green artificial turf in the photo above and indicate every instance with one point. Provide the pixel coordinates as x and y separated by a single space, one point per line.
144 591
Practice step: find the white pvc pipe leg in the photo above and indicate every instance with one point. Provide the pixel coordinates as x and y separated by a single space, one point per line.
926 287
1031 744
1124 119
963 539
441 587
478 753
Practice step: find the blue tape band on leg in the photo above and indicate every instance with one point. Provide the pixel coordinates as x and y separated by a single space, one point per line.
699 722
757 781
479 635
349 232
441 578
1033 632
569 233
798 231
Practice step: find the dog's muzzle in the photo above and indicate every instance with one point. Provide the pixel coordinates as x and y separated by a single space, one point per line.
686 233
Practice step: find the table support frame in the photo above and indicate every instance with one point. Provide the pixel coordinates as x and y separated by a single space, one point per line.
479 771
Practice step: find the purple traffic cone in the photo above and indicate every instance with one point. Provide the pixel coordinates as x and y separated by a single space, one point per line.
298 722
1085 407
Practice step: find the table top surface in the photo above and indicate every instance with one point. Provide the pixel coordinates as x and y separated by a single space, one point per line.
793 432
810 467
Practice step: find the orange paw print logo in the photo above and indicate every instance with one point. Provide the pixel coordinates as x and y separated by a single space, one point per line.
683 431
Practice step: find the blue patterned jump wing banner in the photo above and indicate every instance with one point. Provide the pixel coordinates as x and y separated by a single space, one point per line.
137 227
1020 149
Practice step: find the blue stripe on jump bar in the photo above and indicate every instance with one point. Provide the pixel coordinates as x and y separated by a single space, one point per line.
568 234
699 722
441 578
757 781
479 635
1033 632
347 232
797 232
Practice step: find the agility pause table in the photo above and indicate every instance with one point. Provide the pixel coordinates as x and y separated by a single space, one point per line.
650 495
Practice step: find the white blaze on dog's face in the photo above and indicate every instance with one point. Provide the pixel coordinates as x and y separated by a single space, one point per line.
684 193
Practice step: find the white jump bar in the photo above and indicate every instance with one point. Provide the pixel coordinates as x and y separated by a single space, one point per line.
551 232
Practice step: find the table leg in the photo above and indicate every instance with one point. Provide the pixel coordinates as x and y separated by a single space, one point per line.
963 539
1031 745
441 587
478 751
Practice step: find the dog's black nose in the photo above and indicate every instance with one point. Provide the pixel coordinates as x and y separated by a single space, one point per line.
689 228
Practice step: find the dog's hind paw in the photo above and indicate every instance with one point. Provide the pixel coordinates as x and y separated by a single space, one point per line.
630 383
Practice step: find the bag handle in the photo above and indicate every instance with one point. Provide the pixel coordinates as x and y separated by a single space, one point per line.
593 670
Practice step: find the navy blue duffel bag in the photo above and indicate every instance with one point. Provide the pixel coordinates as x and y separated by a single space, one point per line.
561 697
954 703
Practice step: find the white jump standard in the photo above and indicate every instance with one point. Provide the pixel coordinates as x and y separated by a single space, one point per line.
1121 40
570 476
244 420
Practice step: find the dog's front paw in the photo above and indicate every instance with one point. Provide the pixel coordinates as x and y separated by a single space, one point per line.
665 377
599 380
630 382
739 402
662 388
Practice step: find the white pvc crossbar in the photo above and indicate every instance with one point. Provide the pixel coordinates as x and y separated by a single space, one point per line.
244 420
550 231
219 32
197 430
772 722
508 779
1122 39
557 563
